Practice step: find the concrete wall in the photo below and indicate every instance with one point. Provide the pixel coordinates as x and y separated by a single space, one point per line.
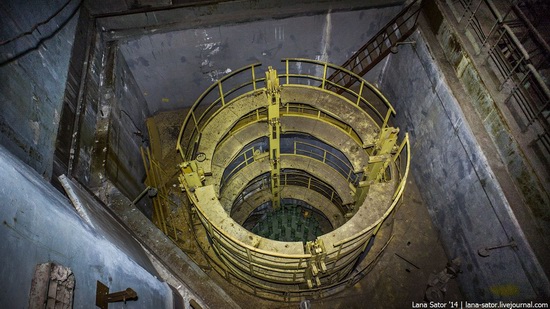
64 155
112 127
173 68
523 188
88 112
465 201
33 71
127 132
40 225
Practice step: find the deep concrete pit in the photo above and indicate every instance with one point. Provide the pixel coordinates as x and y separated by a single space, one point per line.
456 203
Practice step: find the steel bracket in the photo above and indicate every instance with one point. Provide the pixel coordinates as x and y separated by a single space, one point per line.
103 297
193 175
316 263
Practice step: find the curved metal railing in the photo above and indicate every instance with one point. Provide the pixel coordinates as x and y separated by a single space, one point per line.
211 100
381 109
300 148
246 263
343 167
271 268
245 80
246 157
292 178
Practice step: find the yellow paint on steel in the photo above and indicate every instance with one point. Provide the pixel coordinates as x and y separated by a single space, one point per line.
154 180
200 102
260 267
154 137
201 99
273 97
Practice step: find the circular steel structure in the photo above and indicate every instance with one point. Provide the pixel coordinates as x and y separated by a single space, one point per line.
252 139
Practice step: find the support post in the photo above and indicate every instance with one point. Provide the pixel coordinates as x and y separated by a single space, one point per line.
273 97
379 160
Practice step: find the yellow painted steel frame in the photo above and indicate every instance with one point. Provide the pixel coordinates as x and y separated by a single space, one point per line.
274 104
288 111
154 179
379 160
205 106
340 166
265 266
289 270
307 182
300 110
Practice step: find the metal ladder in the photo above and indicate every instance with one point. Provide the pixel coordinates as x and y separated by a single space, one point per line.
377 48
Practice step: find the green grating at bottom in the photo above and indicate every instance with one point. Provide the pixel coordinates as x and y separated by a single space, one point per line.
288 223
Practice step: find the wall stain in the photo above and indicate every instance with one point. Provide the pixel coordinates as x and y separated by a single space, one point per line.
504 290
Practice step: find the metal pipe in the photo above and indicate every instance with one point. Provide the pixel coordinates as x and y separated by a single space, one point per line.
141 195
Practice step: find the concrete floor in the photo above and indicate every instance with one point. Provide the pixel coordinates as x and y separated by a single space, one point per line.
399 276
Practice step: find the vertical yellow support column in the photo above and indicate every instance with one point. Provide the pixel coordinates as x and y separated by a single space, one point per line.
379 160
382 155
273 104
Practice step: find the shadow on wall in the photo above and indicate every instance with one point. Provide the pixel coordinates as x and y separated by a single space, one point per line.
39 225
465 201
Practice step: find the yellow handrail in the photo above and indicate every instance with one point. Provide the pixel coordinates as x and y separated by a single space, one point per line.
243 259
359 97
221 97
246 160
